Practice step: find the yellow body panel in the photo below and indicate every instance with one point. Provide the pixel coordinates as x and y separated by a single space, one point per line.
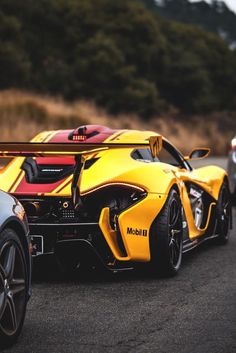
210 178
140 216
116 166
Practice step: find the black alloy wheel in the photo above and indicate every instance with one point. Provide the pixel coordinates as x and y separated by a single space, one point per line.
175 232
223 215
166 238
13 287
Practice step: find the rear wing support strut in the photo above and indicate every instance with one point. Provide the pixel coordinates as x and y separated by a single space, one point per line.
75 191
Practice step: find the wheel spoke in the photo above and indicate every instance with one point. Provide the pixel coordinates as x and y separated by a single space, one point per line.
174 215
12 312
17 285
172 253
2 295
175 229
175 250
171 214
9 264
176 244
2 304
225 206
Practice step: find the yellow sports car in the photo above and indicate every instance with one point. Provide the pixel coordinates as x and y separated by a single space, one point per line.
121 196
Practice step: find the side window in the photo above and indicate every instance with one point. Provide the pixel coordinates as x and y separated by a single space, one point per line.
143 155
170 155
166 157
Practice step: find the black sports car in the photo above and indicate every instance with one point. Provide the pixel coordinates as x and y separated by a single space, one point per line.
15 268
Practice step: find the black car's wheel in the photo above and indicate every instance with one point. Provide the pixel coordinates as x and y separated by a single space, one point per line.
13 287
166 238
223 214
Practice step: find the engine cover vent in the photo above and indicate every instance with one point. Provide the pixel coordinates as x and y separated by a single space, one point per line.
45 173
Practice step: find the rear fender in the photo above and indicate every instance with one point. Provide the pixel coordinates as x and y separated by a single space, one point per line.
134 226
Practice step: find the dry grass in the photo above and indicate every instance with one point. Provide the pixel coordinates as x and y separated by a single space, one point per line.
22 115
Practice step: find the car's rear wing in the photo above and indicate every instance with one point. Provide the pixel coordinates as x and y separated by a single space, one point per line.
35 149
79 150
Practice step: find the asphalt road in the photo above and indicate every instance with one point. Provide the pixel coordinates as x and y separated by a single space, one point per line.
194 312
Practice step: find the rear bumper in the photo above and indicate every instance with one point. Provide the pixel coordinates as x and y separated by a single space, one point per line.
125 241
68 237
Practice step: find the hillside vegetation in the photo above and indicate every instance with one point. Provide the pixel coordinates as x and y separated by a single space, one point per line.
22 115
214 16
117 54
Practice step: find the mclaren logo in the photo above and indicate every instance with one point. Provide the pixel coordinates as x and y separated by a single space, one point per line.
47 170
136 231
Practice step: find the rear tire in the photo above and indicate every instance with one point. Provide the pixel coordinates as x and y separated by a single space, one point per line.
13 287
166 238
223 215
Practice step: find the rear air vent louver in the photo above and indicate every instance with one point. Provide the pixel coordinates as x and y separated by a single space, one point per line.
49 173
45 173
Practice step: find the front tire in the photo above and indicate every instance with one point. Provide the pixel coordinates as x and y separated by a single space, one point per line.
166 238
13 287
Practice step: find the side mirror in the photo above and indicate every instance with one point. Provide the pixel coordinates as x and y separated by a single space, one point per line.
198 153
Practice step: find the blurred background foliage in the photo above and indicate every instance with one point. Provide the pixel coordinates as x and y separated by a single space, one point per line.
214 16
125 56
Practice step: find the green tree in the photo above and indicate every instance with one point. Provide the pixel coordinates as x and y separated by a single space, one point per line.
115 53
14 63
